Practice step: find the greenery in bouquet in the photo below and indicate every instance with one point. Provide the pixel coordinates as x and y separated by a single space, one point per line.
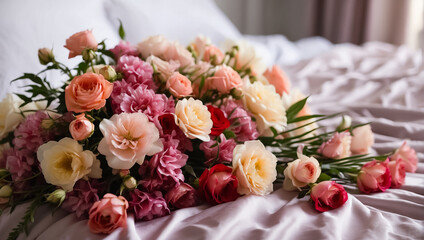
154 127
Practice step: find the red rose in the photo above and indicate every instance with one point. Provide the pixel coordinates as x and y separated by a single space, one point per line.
328 195
167 121
220 122
218 185
374 177
181 196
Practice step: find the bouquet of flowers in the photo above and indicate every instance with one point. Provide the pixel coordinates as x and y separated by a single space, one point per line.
154 127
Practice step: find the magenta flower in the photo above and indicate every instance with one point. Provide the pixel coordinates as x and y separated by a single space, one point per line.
136 71
84 195
147 206
241 122
123 48
225 149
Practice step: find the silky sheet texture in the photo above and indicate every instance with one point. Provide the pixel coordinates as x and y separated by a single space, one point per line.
376 82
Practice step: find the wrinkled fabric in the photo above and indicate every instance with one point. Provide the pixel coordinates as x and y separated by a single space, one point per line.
375 83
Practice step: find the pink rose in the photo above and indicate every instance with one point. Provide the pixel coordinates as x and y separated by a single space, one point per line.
362 140
225 79
81 128
337 147
374 176
181 196
397 170
328 195
213 54
80 41
276 77
108 214
179 85
408 156
87 92
300 172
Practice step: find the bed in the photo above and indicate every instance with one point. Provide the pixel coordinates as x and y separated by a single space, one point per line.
376 82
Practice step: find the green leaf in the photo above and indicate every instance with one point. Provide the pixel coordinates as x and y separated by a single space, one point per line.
295 109
303 193
323 177
229 134
189 169
121 30
303 118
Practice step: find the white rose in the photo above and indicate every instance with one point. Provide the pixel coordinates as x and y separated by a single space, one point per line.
265 105
65 162
10 115
246 56
164 68
254 167
194 119
300 172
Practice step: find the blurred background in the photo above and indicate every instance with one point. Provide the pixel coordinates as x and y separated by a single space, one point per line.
399 22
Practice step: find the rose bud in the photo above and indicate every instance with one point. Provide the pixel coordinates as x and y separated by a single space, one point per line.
218 185
108 72
328 195
81 128
88 54
80 41
300 172
337 147
220 122
225 79
57 197
374 177
408 156
181 196
362 140
397 170
5 191
213 54
129 183
179 85
108 214
45 56
345 123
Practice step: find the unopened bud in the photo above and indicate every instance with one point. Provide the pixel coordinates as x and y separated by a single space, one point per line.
47 123
88 54
130 183
57 197
108 73
346 122
45 55
5 191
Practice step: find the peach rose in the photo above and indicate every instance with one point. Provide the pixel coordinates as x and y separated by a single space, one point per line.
397 170
179 85
254 167
213 54
408 156
128 138
276 77
80 41
194 119
87 92
224 79
337 147
300 172
108 214
81 128
362 140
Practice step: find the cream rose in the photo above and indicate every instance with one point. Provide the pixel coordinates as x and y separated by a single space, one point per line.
254 167
265 105
362 140
128 138
300 172
194 119
10 116
65 162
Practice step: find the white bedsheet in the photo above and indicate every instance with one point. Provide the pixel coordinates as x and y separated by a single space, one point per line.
377 82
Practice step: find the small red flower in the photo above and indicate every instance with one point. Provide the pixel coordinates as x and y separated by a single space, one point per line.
220 122
167 121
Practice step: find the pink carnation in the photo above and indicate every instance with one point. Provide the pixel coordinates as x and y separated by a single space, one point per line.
136 71
147 206
225 149
30 135
84 195
241 122
142 99
20 164
123 48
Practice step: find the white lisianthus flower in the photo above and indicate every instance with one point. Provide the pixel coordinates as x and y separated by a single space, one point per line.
266 106
128 138
194 119
254 167
65 162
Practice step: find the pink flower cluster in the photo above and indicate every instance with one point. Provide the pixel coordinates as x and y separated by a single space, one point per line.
123 48
241 122
147 206
218 152
21 164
